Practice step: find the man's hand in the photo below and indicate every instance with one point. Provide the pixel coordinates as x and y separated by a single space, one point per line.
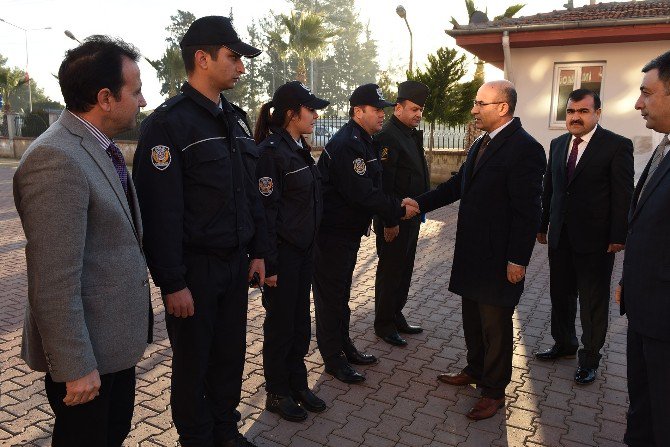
515 273
82 390
542 238
391 233
411 208
271 281
257 265
615 248
180 304
617 295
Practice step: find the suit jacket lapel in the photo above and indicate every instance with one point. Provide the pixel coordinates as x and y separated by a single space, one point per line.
496 143
655 179
589 152
92 147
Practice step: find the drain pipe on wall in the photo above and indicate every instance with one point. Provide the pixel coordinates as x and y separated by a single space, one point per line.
509 73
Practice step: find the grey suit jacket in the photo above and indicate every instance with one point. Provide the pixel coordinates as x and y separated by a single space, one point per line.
88 291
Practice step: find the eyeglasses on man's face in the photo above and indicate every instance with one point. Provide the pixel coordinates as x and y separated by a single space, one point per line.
476 103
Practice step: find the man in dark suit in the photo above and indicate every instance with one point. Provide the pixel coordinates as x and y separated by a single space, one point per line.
89 310
499 186
644 290
405 174
587 190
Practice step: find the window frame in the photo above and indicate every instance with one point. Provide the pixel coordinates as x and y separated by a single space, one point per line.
577 66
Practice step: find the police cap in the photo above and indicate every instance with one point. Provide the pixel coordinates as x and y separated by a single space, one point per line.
414 91
295 94
369 95
217 30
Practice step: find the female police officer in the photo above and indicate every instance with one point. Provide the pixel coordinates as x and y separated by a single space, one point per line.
289 183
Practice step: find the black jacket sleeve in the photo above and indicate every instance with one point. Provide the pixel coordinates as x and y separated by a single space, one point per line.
269 175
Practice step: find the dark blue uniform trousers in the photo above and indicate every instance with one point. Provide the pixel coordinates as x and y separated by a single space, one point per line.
287 328
209 349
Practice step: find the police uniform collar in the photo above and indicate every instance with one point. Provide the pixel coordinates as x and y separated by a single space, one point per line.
359 131
409 131
287 137
200 99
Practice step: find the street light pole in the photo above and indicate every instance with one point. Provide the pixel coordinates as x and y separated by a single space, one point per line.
400 10
25 34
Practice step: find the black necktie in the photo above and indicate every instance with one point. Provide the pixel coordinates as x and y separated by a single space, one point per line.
482 147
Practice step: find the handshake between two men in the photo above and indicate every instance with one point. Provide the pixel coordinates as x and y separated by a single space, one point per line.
411 210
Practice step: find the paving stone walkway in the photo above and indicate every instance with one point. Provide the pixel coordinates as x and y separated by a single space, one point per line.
400 403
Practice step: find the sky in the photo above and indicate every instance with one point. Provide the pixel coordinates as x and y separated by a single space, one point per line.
143 23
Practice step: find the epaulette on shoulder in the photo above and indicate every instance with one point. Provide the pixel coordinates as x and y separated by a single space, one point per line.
170 103
239 110
272 141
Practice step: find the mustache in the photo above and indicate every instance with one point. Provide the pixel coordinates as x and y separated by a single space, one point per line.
577 122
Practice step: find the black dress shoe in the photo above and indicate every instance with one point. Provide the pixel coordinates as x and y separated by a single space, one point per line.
395 340
554 353
584 376
345 373
239 441
286 407
359 358
409 329
308 400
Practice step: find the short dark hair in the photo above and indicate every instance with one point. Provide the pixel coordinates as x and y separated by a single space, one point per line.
662 64
581 93
351 111
509 95
188 54
92 66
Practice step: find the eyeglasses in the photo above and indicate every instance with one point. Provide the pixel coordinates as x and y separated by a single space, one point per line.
476 103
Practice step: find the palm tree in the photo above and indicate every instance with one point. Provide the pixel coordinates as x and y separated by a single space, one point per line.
307 38
470 7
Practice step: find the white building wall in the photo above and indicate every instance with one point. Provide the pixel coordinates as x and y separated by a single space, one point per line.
533 70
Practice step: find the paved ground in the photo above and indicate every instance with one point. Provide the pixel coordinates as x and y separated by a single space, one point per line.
400 403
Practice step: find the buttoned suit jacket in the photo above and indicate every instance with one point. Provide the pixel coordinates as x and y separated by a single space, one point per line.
646 268
594 204
88 291
498 216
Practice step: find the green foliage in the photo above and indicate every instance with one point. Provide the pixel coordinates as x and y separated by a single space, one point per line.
14 90
510 12
449 101
170 67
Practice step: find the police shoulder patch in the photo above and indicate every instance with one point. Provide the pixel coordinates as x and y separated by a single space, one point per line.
385 153
359 166
160 157
265 186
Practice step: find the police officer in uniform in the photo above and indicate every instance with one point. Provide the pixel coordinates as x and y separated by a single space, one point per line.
290 185
405 175
352 194
205 231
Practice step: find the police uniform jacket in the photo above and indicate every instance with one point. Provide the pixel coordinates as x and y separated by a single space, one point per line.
194 171
290 187
403 159
352 182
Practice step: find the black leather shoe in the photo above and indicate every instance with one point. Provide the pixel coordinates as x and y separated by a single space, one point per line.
308 400
554 353
584 376
286 407
359 358
409 329
240 441
345 373
395 339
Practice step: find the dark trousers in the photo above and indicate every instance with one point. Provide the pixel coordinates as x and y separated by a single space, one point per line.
587 276
648 367
208 350
334 261
287 328
394 275
488 338
102 422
